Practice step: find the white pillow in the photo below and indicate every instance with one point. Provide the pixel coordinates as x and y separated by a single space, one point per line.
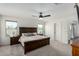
28 34
35 33
22 34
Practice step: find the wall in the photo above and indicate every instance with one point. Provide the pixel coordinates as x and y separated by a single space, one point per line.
0 31
63 17
61 31
29 22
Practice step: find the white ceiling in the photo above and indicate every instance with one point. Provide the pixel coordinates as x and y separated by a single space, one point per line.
25 10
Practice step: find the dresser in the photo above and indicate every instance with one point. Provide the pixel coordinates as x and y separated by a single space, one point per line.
75 47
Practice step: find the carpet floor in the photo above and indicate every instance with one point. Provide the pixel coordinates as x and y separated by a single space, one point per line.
54 49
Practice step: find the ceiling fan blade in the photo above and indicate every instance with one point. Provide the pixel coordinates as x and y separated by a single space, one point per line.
47 16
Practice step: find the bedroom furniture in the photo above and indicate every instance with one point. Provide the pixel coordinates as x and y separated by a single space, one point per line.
14 40
75 47
30 45
40 34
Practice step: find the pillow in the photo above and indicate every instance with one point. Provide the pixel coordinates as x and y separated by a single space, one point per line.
28 34
35 33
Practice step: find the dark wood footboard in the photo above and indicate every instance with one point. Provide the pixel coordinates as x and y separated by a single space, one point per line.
32 45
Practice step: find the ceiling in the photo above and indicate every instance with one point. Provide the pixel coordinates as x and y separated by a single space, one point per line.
26 10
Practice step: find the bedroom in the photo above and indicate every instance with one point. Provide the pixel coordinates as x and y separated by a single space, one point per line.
58 26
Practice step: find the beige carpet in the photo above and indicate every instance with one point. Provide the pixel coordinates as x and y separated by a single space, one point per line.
54 49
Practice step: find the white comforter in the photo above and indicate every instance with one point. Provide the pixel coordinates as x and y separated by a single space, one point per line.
30 38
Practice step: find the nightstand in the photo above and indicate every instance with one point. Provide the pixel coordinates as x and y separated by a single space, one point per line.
40 34
14 40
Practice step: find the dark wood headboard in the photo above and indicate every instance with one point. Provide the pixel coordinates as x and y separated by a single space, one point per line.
27 30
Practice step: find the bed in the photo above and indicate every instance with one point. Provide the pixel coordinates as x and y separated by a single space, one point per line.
33 44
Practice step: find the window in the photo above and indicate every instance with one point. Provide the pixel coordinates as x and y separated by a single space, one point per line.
11 28
40 29
73 30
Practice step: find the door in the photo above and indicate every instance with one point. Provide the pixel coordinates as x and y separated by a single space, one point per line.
54 31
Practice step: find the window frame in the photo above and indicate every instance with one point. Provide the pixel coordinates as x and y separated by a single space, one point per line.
41 29
6 28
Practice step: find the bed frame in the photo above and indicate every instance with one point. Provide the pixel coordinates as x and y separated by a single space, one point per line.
31 45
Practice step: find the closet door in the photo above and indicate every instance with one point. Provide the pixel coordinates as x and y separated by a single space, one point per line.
49 30
61 32
58 32
54 31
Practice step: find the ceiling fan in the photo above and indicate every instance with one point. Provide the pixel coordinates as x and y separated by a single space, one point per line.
41 15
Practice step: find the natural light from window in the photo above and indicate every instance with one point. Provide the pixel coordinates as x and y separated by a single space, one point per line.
11 28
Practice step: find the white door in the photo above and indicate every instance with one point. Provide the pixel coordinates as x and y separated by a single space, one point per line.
54 31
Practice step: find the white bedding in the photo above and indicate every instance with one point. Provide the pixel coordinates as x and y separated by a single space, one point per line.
30 38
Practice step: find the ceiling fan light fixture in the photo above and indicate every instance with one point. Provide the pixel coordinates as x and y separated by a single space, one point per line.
40 18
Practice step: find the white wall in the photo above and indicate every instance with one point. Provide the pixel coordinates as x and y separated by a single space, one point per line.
29 22
0 31
61 31
67 17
